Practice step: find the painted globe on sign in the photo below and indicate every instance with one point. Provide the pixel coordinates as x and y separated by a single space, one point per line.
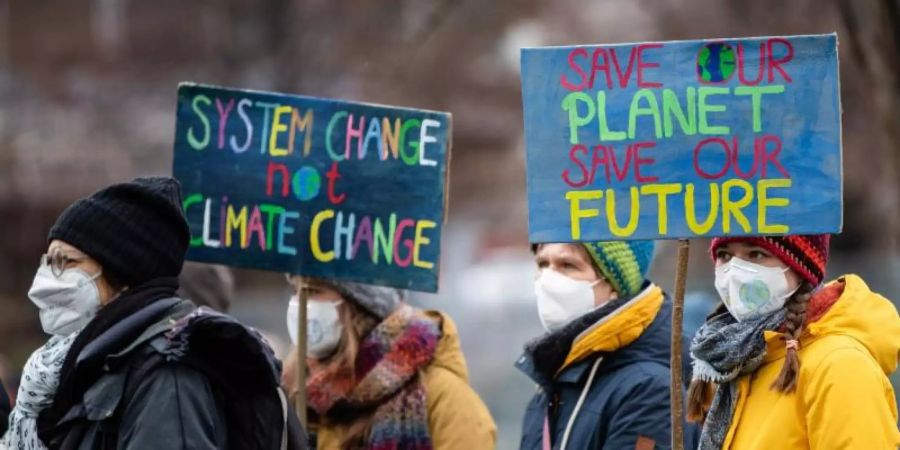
754 294
715 62
306 183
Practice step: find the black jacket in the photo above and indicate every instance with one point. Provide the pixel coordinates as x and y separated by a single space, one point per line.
5 408
193 379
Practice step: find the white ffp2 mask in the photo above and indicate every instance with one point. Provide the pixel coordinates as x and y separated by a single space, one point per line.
751 290
66 303
323 326
560 299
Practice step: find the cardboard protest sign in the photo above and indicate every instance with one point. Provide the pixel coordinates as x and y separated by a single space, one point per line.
679 139
318 187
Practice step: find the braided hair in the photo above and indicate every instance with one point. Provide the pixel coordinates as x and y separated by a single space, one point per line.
699 399
795 317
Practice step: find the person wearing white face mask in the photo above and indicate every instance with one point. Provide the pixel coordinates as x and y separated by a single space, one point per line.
383 374
602 368
787 362
130 364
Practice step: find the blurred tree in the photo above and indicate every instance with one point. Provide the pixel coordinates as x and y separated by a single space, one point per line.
87 87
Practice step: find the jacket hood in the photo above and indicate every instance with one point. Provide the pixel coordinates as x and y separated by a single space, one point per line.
448 354
859 313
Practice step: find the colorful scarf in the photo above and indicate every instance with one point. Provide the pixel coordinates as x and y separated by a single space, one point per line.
386 382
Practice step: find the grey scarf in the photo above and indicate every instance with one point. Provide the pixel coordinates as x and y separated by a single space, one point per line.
723 350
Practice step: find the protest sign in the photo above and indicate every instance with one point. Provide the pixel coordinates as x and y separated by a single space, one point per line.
318 187
680 139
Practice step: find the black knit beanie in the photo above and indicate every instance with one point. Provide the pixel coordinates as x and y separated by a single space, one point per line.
136 231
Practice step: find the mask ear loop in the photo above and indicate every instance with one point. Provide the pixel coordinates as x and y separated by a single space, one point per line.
615 295
600 278
789 294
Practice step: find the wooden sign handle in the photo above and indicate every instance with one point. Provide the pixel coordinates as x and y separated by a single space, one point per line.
675 390
300 399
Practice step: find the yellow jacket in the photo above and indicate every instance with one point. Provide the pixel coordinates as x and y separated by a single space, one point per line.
844 399
457 418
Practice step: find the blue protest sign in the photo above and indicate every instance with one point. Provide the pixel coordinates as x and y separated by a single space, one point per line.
681 139
318 187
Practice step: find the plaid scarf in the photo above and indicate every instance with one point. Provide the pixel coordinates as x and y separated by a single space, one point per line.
386 383
723 350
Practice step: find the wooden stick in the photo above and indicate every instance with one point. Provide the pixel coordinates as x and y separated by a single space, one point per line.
300 400
675 390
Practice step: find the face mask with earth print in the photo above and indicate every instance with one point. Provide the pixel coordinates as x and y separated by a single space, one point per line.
751 290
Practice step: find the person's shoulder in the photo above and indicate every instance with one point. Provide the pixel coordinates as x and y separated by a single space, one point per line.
439 379
833 346
444 385
838 356
642 373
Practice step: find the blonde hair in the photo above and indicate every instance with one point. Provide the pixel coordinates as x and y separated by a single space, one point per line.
356 323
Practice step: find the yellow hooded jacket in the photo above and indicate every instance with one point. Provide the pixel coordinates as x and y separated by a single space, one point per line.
457 418
844 399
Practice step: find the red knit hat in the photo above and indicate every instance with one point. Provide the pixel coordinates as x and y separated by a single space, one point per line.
807 254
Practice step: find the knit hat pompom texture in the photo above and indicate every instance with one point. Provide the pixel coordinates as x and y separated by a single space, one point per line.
806 254
623 263
135 230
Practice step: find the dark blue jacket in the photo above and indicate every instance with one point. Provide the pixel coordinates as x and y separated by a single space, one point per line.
626 405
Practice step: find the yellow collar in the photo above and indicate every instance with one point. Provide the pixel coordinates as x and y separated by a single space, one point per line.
619 328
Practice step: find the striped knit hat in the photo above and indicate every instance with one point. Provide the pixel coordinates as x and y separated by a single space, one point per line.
623 263
806 254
